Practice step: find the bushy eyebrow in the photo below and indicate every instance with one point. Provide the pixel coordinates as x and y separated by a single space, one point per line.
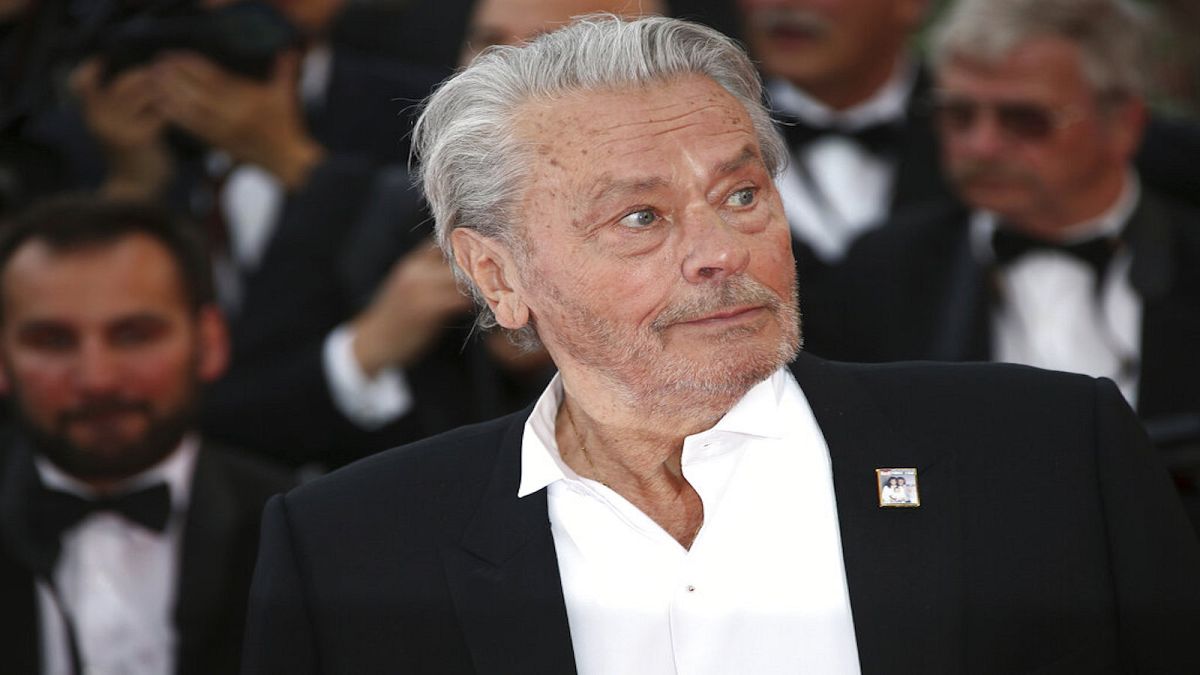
748 155
607 187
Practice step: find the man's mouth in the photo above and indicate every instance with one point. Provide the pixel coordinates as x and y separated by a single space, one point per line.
103 415
791 25
726 316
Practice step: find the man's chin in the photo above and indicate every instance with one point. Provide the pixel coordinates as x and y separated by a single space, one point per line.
108 454
723 372
107 440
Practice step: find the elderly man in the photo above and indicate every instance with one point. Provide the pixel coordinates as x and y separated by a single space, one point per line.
126 542
1067 260
681 499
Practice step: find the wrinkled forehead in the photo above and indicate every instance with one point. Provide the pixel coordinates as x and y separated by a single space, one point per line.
651 130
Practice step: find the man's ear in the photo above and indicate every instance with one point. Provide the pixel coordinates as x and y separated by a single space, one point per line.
490 265
213 343
1127 122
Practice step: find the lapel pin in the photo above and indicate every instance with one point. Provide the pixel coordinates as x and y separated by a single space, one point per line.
897 488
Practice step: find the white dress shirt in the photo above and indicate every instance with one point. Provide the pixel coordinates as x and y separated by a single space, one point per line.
856 184
252 202
1050 314
762 589
117 581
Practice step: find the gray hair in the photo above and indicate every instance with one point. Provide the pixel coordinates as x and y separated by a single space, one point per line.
1109 34
474 168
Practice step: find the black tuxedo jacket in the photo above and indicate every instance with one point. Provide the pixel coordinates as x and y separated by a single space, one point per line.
915 290
1048 540
219 544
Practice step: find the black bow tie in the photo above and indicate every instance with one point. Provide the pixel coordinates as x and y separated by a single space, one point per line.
878 139
1009 245
59 511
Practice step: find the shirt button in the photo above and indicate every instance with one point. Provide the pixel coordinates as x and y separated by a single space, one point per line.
691 588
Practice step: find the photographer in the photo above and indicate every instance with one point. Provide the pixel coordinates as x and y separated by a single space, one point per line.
291 157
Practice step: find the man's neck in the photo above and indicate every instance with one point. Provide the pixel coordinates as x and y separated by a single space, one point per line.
636 451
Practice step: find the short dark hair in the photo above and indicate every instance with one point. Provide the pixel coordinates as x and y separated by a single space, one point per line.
77 222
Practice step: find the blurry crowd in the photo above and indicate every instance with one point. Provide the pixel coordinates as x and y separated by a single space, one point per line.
994 186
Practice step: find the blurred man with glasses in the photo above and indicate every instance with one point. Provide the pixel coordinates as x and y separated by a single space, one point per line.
1065 258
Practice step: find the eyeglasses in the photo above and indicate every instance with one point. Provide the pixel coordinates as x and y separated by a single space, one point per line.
1026 122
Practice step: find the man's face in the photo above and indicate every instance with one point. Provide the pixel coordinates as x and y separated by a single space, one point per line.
102 354
657 256
830 45
510 22
1028 138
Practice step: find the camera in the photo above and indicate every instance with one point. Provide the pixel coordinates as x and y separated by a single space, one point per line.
242 38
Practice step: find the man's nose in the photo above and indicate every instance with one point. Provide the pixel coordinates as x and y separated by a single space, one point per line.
984 137
98 368
716 250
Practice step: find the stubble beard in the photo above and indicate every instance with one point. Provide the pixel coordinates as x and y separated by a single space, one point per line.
647 376
108 460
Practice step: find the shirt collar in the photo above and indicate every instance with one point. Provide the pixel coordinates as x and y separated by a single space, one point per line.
175 470
316 71
888 104
755 414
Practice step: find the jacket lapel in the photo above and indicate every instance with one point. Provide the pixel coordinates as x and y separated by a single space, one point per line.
19 634
1170 320
903 565
963 329
205 582
504 579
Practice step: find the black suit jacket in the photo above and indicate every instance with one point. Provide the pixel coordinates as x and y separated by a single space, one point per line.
915 290
1048 540
219 543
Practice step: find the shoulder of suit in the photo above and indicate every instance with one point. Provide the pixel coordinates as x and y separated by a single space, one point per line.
970 372
1183 217
913 380
966 402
